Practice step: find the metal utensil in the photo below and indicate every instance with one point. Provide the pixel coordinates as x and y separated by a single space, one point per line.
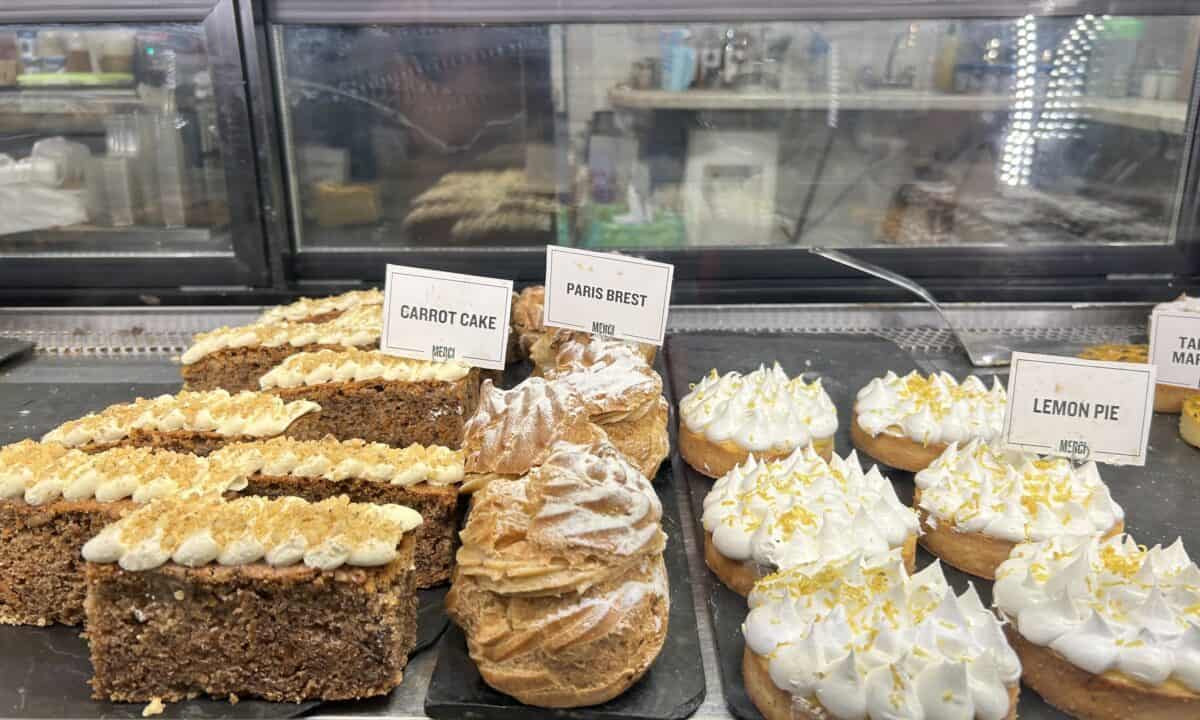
983 352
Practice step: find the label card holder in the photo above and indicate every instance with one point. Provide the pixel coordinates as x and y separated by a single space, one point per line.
1175 347
1081 409
435 315
606 294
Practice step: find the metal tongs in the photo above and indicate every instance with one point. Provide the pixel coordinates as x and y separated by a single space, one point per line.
982 352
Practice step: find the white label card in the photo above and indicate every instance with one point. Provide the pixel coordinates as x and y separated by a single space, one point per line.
1081 409
435 315
607 294
1175 347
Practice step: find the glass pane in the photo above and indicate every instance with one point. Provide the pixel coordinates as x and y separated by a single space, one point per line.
109 142
1043 131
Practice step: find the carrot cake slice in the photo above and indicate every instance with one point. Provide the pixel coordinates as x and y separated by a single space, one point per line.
623 395
280 599
234 358
318 310
54 499
377 397
195 422
425 479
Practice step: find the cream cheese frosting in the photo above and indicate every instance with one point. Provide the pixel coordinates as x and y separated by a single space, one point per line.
306 308
763 410
279 532
1015 496
333 459
357 327
862 638
1107 605
43 473
931 409
803 509
354 365
217 411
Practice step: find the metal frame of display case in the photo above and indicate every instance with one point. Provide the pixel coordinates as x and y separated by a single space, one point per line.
772 274
133 269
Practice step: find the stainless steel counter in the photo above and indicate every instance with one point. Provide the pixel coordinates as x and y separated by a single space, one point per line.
140 345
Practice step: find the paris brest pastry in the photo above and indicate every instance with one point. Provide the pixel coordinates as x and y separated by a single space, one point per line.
550 347
512 431
623 395
560 586
766 515
1106 629
542 344
527 318
1167 398
860 637
978 500
727 417
907 422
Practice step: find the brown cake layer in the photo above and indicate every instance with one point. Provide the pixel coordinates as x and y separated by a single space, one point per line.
438 505
41 571
235 369
428 412
284 634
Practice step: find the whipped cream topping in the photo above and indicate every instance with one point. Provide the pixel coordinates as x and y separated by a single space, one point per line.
1015 496
1107 605
354 365
42 473
1183 303
764 410
279 532
862 638
217 411
307 308
802 509
355 327
933 409
333 459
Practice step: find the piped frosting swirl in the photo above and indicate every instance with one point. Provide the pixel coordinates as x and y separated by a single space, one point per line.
1107 605
802 509
42 473
355 365
333 459
357 327
245 413
1015 496
931 409
764 410
279 532
862 638
304 309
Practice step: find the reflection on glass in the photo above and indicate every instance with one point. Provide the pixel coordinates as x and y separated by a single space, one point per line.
109 141
1022 131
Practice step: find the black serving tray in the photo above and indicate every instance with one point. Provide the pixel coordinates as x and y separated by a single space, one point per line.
671 690
1159 499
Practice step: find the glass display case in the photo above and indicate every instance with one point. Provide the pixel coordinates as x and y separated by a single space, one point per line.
124 145
1004 142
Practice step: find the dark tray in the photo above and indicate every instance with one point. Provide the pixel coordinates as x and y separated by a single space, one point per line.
671 690
1158 499
48 668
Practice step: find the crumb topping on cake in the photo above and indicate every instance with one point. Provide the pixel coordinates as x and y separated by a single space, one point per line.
863 638
764 410
358 326
1107 605
42 473
801 509
354 365
334 459
931 409
513 430
1015 496
306 308
217 411
1138 353
280 532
